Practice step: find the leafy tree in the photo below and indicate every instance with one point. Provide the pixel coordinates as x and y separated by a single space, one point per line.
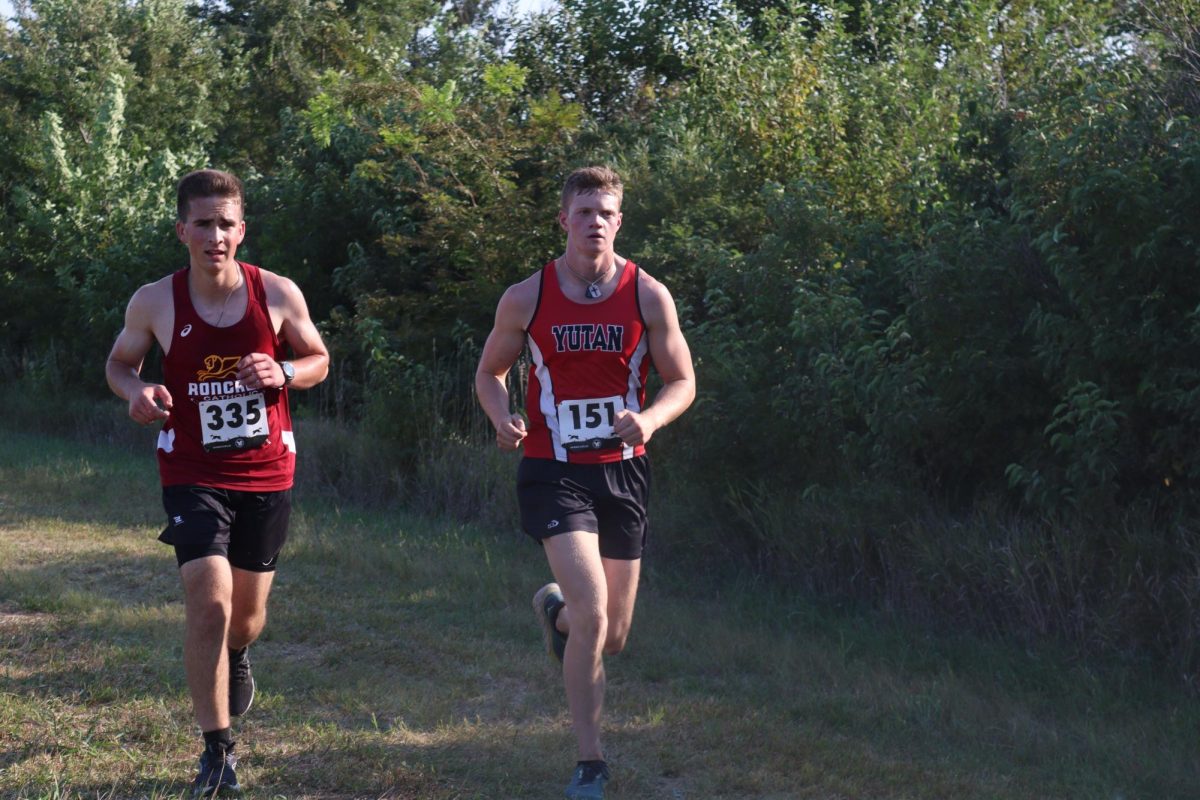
92 225
612 57
107 103
291 49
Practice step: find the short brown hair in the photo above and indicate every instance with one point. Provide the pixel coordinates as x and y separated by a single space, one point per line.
208 183
587 180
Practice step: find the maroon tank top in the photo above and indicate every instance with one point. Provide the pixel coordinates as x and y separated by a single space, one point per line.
220 433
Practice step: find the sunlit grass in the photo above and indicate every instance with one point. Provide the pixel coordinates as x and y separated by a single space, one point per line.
399 661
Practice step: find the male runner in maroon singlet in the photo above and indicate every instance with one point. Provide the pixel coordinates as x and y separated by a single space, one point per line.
593 322
226 451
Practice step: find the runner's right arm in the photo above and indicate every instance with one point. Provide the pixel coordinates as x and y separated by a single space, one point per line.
147 402
500 352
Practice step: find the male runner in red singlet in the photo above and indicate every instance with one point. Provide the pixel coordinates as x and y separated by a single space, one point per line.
226 452
593 322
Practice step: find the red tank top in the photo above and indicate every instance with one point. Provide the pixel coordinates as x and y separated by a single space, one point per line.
590 360
221 433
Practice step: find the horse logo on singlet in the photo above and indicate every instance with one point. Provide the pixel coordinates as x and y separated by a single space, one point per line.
217 367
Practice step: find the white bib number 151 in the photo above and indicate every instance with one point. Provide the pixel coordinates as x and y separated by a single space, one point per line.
234 423
588 424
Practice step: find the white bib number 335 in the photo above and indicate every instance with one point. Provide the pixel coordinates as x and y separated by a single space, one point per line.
234 423
588 424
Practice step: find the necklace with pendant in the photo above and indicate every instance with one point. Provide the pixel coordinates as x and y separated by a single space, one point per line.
238 285
592 291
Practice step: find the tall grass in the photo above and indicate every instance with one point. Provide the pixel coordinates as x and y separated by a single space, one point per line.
1127 589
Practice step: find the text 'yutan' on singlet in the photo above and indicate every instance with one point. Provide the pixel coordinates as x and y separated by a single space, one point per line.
590 361
220 433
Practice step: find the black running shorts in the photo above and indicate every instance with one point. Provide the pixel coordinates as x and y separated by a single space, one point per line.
605 499
248 528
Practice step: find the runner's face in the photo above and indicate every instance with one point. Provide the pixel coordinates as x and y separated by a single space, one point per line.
213 231
591 222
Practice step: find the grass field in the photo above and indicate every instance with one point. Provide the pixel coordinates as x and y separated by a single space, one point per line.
401 661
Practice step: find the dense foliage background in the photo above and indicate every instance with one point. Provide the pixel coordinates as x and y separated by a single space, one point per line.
938 262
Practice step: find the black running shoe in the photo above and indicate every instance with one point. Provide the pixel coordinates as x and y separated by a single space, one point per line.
217 776
587 781
241 682
546 604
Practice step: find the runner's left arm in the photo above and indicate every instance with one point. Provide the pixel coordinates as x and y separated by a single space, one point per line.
311 358
673 361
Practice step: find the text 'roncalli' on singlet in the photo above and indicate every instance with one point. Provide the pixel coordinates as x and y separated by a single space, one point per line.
221 433
590 361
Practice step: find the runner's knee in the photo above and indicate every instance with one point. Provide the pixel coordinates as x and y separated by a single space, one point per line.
618 633
209 615
244 630
614 642
589 625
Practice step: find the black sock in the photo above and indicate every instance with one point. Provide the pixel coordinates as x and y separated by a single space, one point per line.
598 764
221 740
554 615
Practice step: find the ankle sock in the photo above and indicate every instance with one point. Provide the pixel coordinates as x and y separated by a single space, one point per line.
219 740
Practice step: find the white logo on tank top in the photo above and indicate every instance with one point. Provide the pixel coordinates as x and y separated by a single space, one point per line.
186 330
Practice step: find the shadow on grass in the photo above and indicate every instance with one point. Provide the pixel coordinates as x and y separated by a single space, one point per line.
89 627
